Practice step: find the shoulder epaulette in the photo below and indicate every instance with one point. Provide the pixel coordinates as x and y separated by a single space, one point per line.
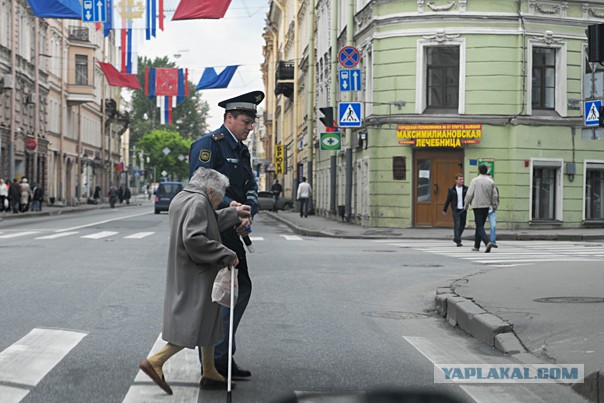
217 136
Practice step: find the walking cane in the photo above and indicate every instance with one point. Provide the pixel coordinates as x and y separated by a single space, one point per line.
231 319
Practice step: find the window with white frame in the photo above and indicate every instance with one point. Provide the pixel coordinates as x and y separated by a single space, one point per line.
594 190
441 76
547 77
546 190
81 70
544 78
368 76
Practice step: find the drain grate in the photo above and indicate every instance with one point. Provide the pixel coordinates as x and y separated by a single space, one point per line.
396 315
570 300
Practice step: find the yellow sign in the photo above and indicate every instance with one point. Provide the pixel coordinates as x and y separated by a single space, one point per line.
445 135
279 160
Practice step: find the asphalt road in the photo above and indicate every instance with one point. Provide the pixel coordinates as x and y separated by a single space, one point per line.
82 305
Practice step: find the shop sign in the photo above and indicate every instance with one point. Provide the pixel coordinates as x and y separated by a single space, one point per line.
279 160
444 135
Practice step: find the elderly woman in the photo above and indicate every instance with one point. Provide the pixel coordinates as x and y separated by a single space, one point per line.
195 256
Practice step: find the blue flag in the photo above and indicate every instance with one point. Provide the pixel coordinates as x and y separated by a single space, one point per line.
69 9
211 80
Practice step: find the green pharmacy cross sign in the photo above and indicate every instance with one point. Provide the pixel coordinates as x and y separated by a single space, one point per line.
331 141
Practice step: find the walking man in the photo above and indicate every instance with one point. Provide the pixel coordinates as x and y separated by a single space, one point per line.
304 193
482 195
492 217
276 189
224 151
455 197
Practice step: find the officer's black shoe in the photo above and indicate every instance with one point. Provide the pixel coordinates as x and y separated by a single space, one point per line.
237 372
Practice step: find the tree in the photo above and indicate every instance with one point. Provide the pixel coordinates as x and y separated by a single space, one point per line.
153 144
189 116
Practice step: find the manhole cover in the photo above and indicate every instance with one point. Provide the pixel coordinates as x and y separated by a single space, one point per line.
570 300
395 315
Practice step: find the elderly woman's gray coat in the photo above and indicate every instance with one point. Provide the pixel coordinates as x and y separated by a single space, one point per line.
195 255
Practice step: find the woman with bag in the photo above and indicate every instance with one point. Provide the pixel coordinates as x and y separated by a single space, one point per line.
195 256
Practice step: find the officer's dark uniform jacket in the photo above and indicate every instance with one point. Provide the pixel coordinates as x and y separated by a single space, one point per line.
220 151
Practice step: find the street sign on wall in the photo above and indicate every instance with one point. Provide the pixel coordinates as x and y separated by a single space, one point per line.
279 160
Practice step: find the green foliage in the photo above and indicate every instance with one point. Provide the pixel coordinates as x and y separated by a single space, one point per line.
189 116
153 145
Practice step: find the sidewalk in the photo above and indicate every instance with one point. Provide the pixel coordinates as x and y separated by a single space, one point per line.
498 306
47 210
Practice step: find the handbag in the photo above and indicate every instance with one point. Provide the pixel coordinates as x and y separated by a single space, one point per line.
221 290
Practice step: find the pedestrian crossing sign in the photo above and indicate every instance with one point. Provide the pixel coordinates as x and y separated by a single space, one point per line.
592 113
349 114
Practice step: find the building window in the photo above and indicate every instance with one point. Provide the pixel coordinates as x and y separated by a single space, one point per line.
81 70
594 188
544 78
442 88
547 76
546 195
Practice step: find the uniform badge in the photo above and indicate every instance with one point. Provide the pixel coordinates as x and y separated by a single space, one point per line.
205 155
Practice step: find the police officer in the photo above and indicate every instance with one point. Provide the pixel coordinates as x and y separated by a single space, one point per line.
224 151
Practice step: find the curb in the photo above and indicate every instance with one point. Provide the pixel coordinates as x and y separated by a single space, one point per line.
494 331
508 237
63 210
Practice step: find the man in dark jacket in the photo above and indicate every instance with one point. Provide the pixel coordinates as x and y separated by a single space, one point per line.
14 195
456 196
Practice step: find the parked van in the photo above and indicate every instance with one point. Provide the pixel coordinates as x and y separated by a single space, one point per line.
164 195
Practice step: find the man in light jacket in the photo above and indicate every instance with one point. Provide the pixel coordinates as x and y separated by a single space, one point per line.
304 193
195 256
482 195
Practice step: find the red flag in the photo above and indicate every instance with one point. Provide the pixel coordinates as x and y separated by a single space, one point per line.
117 79
166 82
119 167
200 9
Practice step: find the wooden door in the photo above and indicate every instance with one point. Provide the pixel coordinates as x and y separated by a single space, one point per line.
434 173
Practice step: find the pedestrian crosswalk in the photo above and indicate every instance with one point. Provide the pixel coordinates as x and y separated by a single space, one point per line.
26 362
44 235
509 253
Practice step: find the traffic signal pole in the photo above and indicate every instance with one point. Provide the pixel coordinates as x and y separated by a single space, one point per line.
311 96
349 42
334 92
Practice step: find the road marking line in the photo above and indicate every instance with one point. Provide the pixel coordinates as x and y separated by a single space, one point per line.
139 235
59 235
180 370
103 222
12 395
292 237
99 235
28 360
17 234
256 238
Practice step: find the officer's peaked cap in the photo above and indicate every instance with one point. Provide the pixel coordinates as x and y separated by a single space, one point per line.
246 103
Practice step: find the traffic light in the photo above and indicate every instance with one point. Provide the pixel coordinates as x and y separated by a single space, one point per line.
327 119
601 117
595 43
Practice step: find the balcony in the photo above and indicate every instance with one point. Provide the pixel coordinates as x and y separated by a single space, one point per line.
284 79
78 34
78 94
285 71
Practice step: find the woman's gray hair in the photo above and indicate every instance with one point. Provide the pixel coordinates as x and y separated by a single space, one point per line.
210 179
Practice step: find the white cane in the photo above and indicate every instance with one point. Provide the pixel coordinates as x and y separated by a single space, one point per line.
231 319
